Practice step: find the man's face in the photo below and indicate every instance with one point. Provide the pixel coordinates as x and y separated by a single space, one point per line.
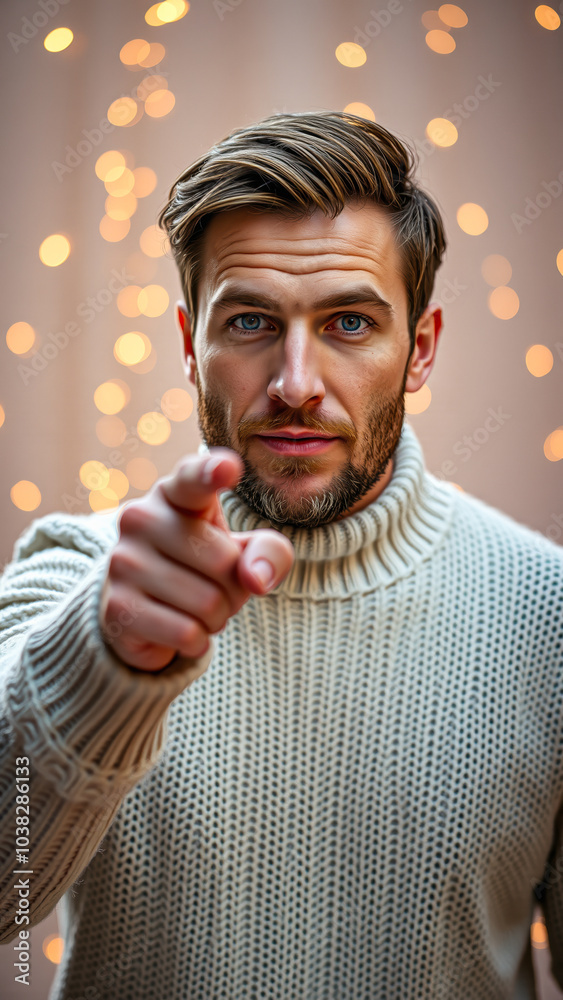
302 326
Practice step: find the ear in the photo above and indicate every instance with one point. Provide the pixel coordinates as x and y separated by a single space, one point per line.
185 328
427 332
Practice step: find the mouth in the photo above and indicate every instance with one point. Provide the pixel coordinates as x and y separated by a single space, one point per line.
289 444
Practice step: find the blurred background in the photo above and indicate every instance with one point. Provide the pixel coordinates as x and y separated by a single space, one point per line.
105 104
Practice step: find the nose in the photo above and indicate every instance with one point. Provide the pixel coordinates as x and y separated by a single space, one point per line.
297 379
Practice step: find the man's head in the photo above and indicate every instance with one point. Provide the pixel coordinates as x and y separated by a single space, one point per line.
307 256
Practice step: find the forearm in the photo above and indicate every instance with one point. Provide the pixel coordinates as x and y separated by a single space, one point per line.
90 727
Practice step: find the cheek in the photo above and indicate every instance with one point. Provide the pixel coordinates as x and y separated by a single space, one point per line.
230 383
374 378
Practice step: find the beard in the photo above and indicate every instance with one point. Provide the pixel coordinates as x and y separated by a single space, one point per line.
291 504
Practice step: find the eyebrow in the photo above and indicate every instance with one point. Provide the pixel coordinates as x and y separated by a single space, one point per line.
238 295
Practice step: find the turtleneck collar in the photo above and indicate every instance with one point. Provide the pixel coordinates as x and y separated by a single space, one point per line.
371 548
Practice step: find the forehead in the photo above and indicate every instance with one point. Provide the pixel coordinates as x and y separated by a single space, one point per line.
301 253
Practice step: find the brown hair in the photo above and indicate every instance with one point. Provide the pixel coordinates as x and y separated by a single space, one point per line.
294 164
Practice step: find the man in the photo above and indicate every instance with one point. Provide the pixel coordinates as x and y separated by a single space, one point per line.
293 720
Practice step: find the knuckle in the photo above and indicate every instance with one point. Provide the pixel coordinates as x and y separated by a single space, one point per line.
223 560
115 605
191 634
123 563
135 518
214 605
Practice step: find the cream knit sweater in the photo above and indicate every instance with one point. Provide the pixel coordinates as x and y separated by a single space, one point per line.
355 801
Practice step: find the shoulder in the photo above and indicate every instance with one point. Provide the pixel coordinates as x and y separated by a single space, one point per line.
90 534
491 532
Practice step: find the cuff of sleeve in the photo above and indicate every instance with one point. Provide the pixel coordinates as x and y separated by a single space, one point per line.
90 722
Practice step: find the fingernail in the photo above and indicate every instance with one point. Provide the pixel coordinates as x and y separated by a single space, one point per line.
209 469
264 572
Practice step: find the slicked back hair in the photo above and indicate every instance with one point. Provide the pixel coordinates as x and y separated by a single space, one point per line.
294 164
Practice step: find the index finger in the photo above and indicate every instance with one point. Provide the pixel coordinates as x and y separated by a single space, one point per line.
192 487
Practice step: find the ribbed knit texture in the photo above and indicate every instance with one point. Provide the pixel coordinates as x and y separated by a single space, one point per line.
351 798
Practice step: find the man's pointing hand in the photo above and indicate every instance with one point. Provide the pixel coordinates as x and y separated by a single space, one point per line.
177 573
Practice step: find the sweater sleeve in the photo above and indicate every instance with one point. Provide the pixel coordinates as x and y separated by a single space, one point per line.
78 727
550 895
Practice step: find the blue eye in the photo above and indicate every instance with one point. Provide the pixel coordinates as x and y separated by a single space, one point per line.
249 323
354 323
351 323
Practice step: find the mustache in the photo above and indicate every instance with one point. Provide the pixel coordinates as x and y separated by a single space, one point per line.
298 419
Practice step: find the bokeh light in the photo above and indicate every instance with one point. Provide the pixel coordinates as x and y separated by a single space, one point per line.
453 16
362 110
54 250
432 21
144 181
553 445
419 401
156 54
20 337
2 415
131 348
539 360
440 41
141 472
538 935
118 482
496 270
166 12
121 208
159 103
114 230
122 184
172 10
149 84
132 52
25 495
503 302
472 218
146 365
58 39
128 301
53 948
153 428
547 17
442 132
103 500
153 241
350 54
559 261
111 431
177 404
110 165
123 112
110 397
153 300
94 475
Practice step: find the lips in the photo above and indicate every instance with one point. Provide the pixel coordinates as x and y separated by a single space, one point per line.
298 435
